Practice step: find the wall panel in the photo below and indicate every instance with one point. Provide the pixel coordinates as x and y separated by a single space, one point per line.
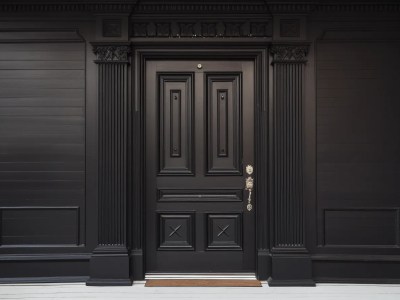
358 143
42 139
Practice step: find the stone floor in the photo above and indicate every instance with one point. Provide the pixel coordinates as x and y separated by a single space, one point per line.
138 291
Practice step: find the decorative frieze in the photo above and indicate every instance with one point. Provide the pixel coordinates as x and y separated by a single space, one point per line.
195 7
202 29
111 53
289 53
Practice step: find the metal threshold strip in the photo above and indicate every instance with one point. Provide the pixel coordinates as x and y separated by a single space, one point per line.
204 276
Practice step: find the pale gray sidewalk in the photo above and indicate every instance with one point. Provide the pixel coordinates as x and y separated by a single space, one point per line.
139 292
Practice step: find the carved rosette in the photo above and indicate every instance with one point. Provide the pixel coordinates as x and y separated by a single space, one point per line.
289 53
112 53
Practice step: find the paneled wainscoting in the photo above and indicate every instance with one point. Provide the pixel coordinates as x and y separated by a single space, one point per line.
138 291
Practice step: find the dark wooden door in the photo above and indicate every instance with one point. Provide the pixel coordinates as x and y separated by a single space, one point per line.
199 140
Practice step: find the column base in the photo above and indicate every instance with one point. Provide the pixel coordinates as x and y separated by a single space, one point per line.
291 270
109 266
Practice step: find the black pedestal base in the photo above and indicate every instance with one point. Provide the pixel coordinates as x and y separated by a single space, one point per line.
109 266
291 270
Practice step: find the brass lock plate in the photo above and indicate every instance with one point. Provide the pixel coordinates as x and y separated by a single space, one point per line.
249 183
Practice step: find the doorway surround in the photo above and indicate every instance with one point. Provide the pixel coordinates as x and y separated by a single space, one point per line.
281 254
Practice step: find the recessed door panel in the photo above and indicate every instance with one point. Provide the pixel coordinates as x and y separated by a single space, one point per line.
199 138
175 130
224 122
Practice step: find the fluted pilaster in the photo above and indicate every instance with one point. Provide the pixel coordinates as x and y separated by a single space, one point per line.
291 264
288 65
110 262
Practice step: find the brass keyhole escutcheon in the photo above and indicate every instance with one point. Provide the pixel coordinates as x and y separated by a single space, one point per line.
249 169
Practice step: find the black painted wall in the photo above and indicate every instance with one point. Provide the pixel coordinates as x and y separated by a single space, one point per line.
327 128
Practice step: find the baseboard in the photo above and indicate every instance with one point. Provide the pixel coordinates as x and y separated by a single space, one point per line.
46 257
358 280
41 269
63 279
340 271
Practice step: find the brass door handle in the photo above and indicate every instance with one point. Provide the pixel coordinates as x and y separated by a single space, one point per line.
249 186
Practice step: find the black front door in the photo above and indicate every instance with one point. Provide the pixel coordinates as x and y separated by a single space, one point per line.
199 141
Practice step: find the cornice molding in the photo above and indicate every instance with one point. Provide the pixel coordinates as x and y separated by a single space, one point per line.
91 6
111 53
289 53
255 7
366 7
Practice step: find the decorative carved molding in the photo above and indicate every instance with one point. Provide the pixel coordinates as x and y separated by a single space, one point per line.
202 29
289 53
258 7
111 53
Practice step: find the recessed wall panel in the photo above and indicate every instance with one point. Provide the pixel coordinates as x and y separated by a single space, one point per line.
361 227
39 226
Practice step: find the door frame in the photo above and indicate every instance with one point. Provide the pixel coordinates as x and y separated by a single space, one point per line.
262 143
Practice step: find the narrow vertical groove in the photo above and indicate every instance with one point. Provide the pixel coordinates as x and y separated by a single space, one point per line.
279 154
301 148
100 89
124 149
289 152
108 125
283 166
117 157
123 156
105 155
275 139
277 179
295 146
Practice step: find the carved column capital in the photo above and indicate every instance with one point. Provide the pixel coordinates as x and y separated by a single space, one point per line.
289 53
112 53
